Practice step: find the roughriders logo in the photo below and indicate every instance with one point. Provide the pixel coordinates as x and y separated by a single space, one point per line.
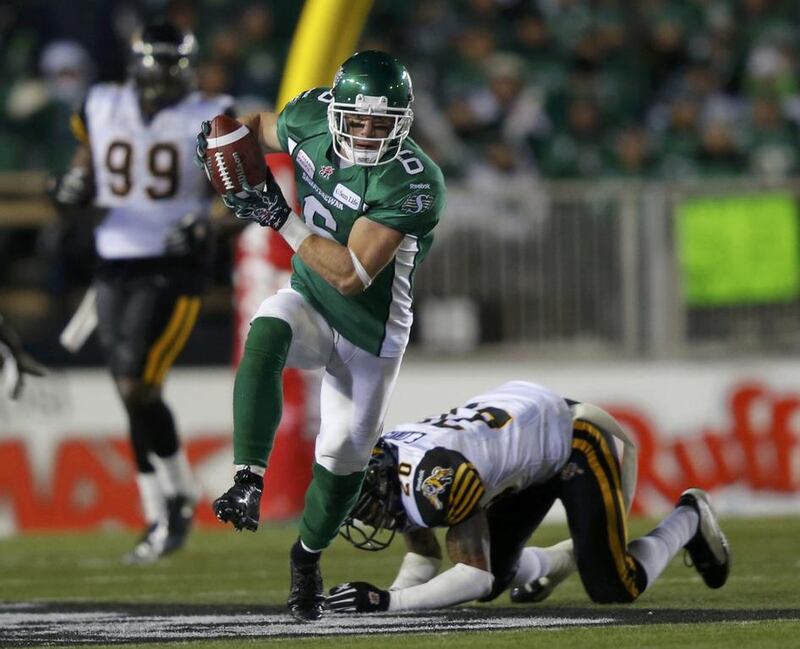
326 171
416 203
435 484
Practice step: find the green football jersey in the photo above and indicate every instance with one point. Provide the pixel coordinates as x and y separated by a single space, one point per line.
407 194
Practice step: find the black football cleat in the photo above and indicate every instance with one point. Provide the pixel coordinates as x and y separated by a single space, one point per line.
708 548
533 592
180 513
306 597
240 505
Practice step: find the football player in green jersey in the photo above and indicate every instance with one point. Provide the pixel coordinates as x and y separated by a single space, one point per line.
369 200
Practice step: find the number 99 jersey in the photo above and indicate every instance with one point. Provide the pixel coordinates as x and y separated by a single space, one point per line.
144 170
451 465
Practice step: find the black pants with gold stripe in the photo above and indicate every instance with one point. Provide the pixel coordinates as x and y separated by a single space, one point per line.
590 489
146 311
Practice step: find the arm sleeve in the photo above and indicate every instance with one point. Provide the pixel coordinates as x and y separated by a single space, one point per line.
447 488
461 583
415 569
302 117
411 211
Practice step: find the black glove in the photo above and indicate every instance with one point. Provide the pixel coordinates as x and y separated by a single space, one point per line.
266 206
357 597
202 145
190 237
75 188
14 362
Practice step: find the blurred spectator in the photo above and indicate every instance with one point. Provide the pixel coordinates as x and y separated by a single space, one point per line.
678 145
579 150
720 153
632 153
259 68
504 107
771 142
582 68
39 109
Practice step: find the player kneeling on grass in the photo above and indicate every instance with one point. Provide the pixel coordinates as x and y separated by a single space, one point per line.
489 471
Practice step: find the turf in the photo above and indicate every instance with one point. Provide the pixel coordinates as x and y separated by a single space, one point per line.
252 570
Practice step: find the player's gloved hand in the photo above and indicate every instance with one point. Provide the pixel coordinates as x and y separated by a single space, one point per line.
265 206
201 145
190 236
72 189
357 597
15 363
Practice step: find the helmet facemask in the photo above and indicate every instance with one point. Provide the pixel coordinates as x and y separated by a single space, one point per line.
163 72
369 151
378 513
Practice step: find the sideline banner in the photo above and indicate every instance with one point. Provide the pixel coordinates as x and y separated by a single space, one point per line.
731 428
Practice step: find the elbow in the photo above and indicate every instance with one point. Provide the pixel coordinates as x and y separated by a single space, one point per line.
484 591
349 285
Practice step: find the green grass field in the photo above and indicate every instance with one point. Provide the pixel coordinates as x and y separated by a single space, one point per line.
252 569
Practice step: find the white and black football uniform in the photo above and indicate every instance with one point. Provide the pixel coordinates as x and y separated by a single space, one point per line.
489 471
137 147
498 442
145 176
512 452
144 170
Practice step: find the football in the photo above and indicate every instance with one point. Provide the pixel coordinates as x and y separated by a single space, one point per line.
233 155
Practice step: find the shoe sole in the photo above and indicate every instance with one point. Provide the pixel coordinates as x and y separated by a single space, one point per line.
709 539
305 615
235 516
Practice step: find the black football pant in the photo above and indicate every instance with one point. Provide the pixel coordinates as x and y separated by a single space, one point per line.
146 311
590 488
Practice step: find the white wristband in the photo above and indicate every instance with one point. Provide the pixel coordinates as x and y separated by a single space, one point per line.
416 569
295 231
362 273
461 583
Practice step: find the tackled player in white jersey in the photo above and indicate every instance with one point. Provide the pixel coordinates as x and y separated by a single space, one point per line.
489 471
136 159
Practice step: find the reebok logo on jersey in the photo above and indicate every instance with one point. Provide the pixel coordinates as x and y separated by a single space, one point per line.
435 484
347 196
416 203
419 186
305 163
326 171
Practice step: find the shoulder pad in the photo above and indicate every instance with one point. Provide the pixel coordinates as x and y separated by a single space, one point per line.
447 488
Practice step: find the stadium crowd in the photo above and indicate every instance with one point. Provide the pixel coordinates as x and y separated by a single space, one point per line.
665 89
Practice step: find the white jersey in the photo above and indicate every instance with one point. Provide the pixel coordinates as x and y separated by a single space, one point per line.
517 435
144 171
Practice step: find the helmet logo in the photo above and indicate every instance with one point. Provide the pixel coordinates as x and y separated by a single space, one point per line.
435 484
326 171
370 104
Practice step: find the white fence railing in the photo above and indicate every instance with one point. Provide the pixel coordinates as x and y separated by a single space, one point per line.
585 267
